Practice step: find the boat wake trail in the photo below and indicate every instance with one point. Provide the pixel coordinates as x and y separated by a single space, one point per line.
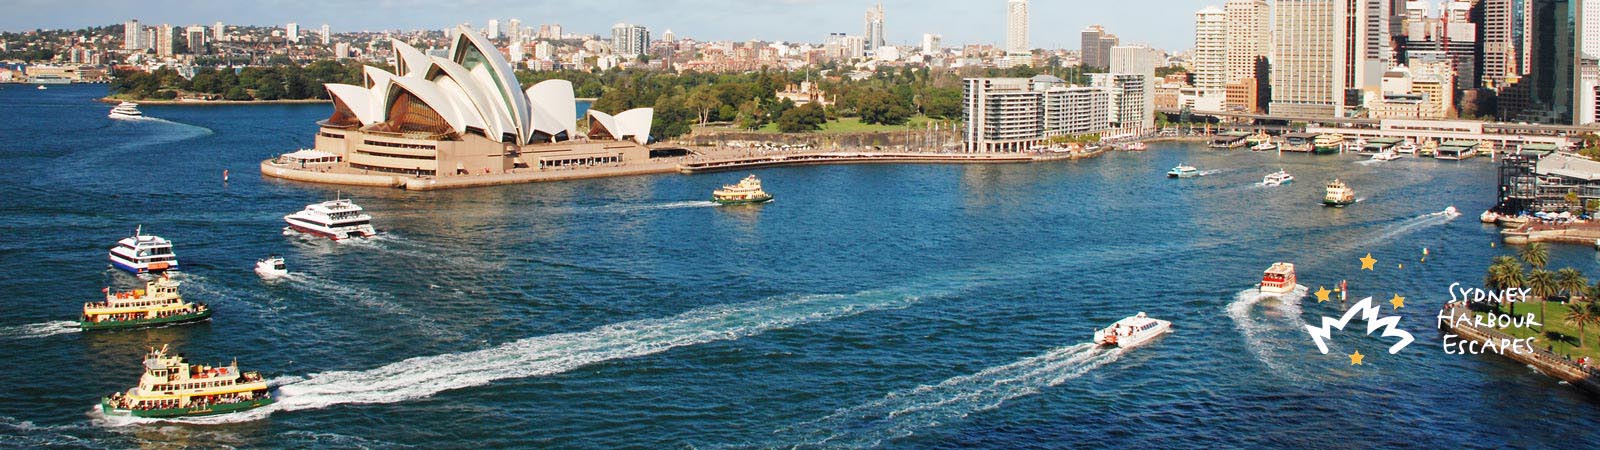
369 299
657 207
39 330
1271 325
546 355
1410 226
903 413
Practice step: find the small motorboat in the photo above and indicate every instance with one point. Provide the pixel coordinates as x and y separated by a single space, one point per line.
271 268
1265 147
1183 171
1408 147
1131 332
41 87
1138 147
1386 155
1277 179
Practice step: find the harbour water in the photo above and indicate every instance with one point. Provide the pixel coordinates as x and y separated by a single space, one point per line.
899 306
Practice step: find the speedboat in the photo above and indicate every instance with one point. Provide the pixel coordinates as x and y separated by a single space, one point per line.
1138 147
126 110
335 219
1183 171
1131 332
271 268
1488 217
41 87
1278 279
1265 147
142 253
1277 179
1386 155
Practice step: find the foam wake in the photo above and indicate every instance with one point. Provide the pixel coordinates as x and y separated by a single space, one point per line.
1410 225
903 413
546 355
39 330
657 207
1269 323
366 299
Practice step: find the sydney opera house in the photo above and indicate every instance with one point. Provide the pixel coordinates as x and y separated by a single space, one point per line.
462 115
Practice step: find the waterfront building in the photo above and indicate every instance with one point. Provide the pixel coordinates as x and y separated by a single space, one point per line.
1020 114
1130 101
1210 59
872 29
1544 179
630 40
1017 47
1309 58
1248 37
1140 61
466 114
1096 47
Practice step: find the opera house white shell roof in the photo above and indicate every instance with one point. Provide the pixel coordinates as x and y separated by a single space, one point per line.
474 91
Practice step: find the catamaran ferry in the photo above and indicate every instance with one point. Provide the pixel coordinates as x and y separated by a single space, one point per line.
126 110
1131 332
746 192
1280 178
172 388
143 253
158 304
1279 279
336 219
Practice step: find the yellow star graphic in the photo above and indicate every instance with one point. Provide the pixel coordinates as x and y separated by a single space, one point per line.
1369 263
1398 301
1355 358
1322 294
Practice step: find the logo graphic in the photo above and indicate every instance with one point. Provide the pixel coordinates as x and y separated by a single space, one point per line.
1368 313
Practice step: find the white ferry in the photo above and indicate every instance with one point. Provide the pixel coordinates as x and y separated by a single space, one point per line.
1279 279
143 253
271 268
1386 155
1131 332
126 110
335 219
1280 178
1408 147
1265 147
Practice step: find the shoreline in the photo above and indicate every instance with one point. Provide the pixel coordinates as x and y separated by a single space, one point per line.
312 101
1547 363
1558 234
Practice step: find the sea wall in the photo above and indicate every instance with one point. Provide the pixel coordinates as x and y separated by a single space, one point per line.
1551 364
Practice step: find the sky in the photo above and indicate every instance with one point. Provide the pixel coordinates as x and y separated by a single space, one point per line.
1167 24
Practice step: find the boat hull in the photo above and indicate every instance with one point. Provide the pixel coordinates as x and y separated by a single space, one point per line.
146 323
1325 150
735 202
172 413
1337 203
153 268
325 234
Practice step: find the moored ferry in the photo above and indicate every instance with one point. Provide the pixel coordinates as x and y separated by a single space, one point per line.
158 304
172 388
748 191
1328 144
335 219
126 110
1338 195
143 253
1131 332
1279 279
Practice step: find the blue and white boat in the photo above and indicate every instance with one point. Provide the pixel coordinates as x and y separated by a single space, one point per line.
1183 171
142 253
1280 178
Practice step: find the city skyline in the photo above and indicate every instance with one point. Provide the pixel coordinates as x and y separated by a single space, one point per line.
1056 24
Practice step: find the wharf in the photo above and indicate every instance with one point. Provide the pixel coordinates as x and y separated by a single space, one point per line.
1581 233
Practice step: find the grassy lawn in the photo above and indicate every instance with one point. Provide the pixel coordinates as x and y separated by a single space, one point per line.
1555 332
847 125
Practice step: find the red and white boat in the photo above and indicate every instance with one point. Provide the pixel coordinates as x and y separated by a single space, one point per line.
337 219
1279 279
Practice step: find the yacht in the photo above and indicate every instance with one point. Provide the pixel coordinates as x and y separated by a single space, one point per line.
1265 147
1277 179
171 387
41 87
126 110
158 304
747 192
1183 171
1138 147
271 268
142 253
1386 155
1339 195
1131 332
335 219
1278 279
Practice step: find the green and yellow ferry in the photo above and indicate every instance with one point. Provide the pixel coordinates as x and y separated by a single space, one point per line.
158 304
747 192
1328 144
172 388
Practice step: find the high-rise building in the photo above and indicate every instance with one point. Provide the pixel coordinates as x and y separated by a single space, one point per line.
1130 99
492 29
195 39
514 30
873 28
630 40
1369 43
164 45
1017 29
291 32
1310 58
1096 47
132 35
1507 42
555 32
327 35
669 36
932 43
1586 96
1210 58
1249 37
1139 61
219 32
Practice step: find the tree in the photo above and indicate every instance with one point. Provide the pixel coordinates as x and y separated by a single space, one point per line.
672 118
1536 254
1582 316
703 100
1543 283
1571 281
809 117
1505 272
942 103
882 108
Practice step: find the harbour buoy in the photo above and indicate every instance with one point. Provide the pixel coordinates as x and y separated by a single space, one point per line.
1402 266
224 175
